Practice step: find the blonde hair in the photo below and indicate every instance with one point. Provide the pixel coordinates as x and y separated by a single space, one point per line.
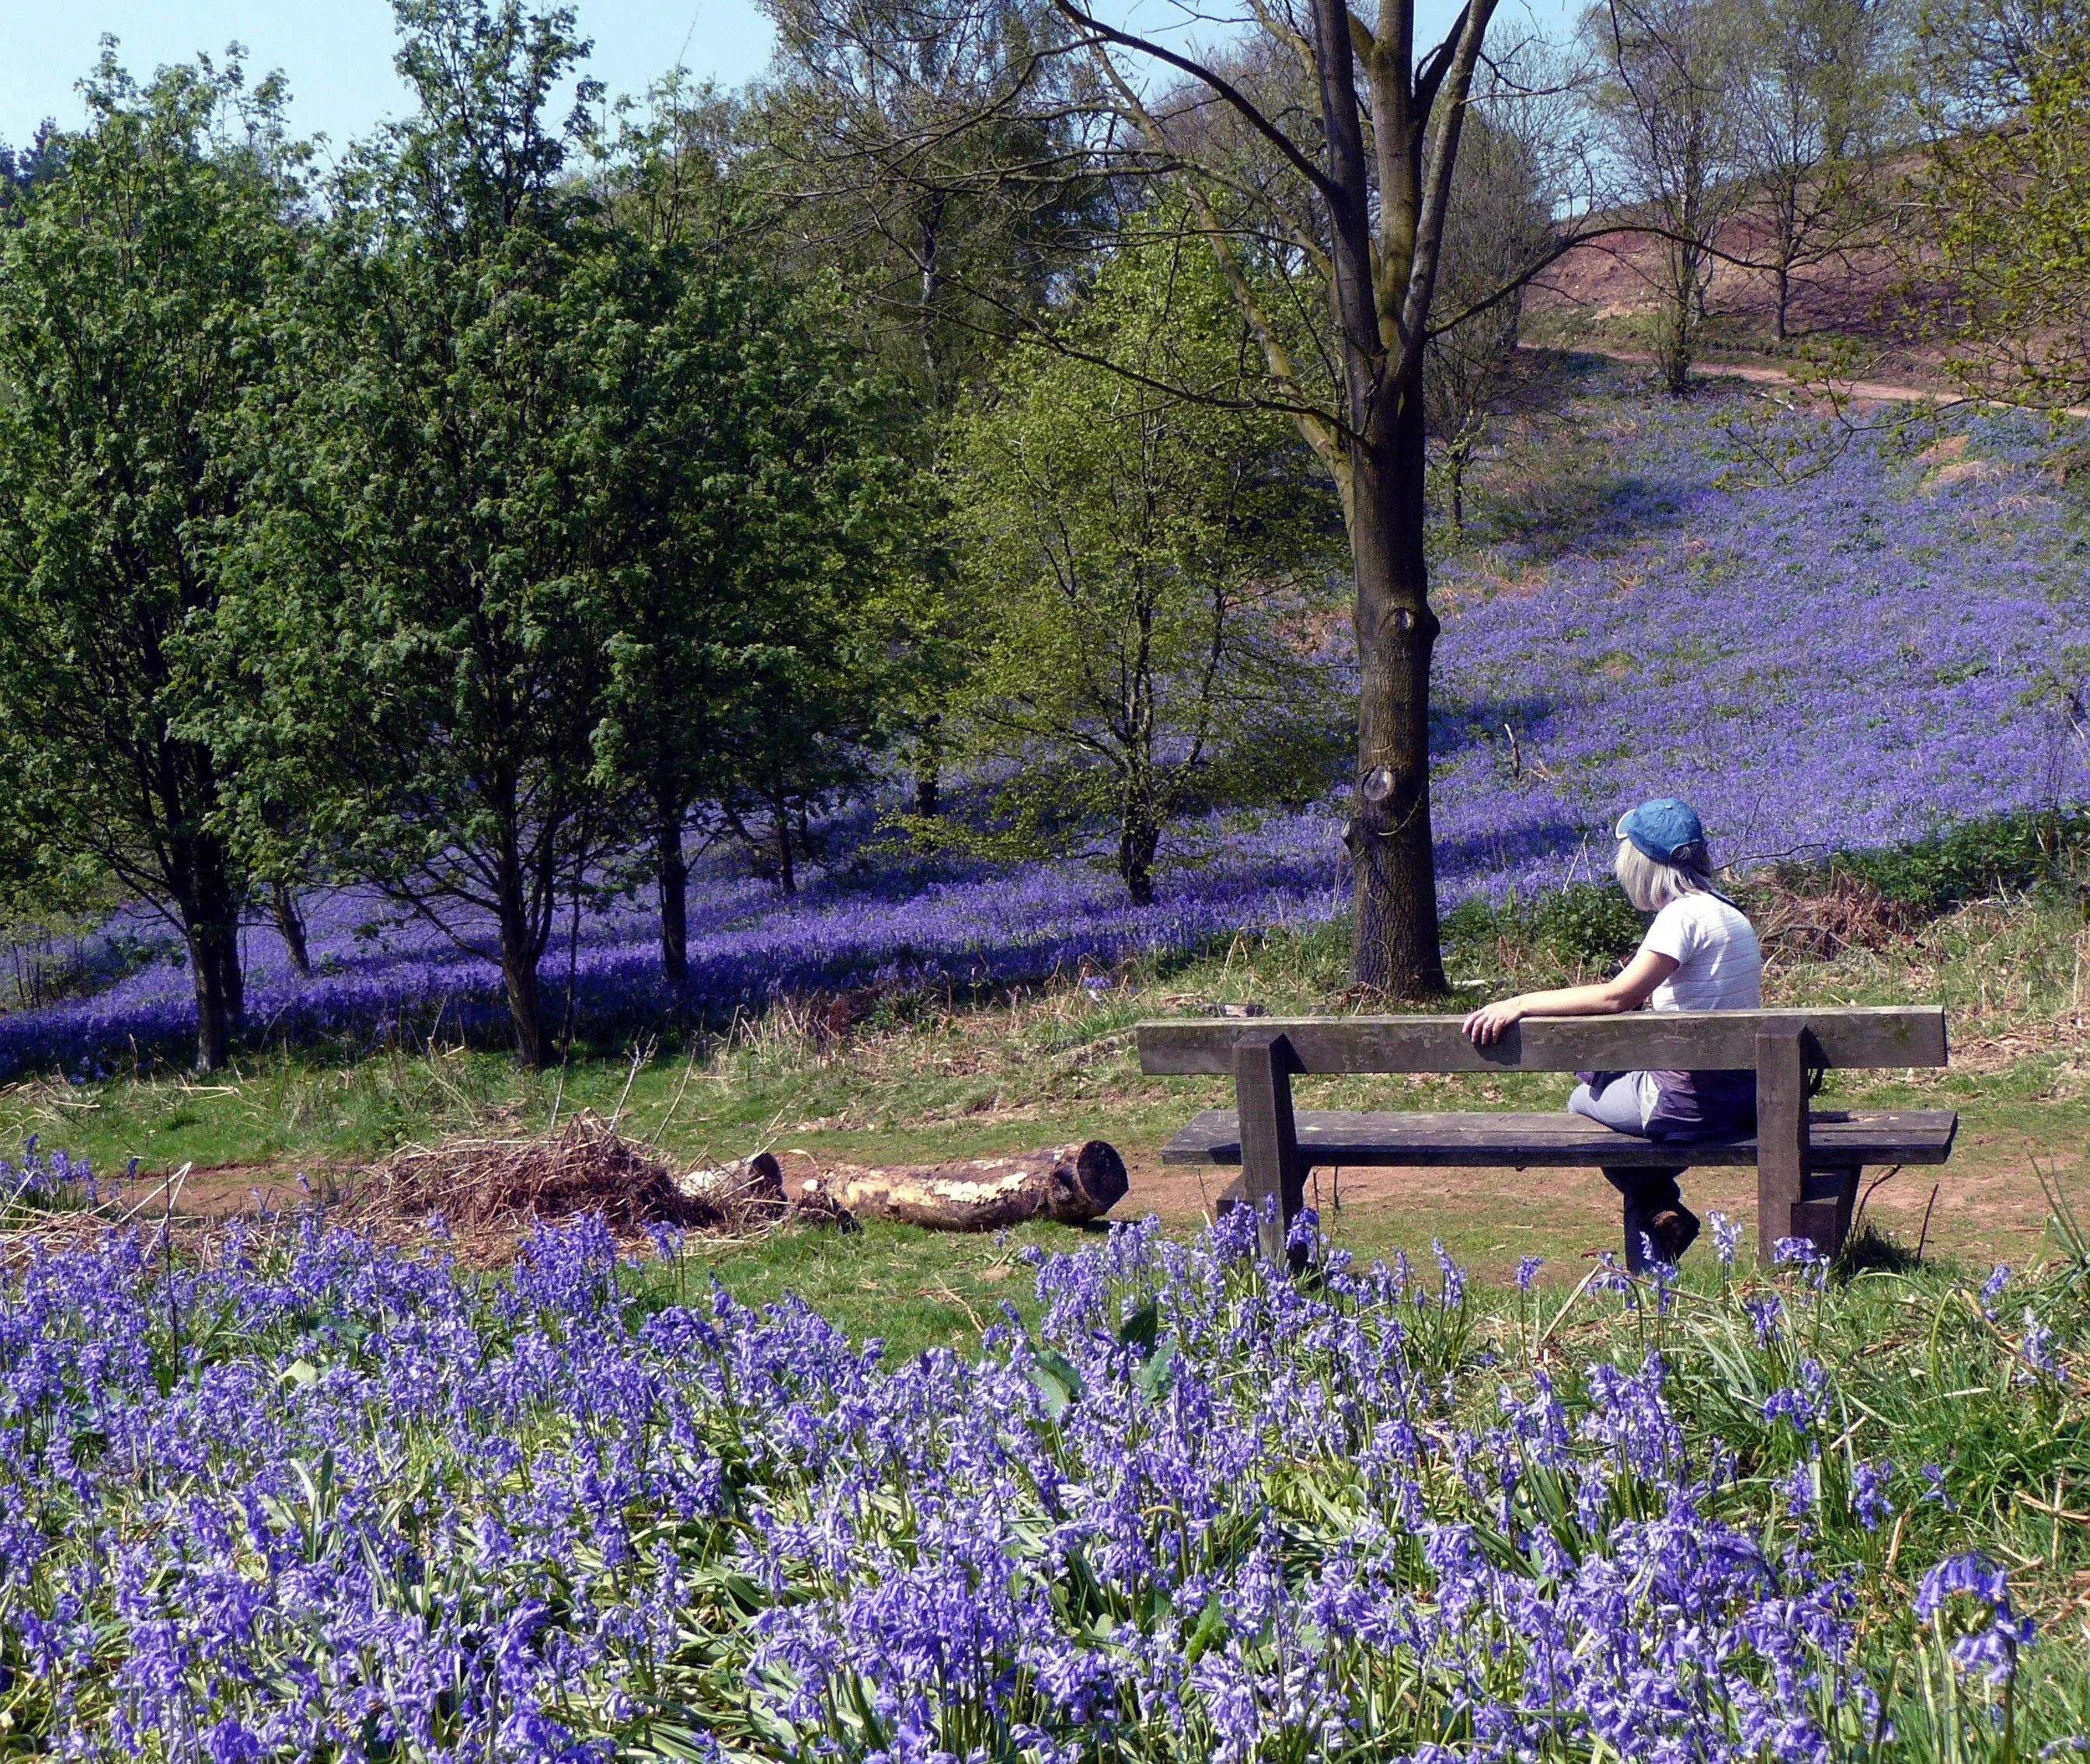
1651 884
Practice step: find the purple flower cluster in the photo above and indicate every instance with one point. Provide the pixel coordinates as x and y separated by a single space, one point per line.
1991 1646
39 1179
1844 661
331 1500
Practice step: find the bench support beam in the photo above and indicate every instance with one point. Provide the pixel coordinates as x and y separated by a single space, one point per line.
1823 1216
1783 1146
1271 1167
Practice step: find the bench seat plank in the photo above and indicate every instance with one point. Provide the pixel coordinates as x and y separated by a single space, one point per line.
1841 1139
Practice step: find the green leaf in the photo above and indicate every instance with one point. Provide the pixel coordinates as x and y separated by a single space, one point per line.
1140 1330
1057 1381
1211 1627
1157 1375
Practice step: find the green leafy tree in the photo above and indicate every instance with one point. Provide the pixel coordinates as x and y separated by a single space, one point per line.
928 149
421 613
747 538
131 267
1137 568
1310 148
2000 263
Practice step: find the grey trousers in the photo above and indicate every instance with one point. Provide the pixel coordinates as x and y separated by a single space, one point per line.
1617 1106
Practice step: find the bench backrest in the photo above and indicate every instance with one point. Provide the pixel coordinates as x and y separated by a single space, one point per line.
1896 1036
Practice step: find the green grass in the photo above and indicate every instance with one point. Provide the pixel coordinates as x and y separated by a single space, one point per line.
1992 928
1055 1060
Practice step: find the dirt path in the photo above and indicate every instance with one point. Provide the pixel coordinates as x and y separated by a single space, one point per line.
1767 373
1990 1205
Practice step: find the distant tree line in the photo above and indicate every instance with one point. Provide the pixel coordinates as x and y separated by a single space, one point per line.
548 484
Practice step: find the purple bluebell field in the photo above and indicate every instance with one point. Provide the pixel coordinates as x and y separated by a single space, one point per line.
313 1499
1843 661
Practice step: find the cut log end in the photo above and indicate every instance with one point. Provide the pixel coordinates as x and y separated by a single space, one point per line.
1087 1185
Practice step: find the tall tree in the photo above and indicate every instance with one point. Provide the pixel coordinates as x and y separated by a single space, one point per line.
421 615
2000 265
1668 103
1820 97
1499 225
22 168
1142 567
132 265
747 535
1315 160
930 147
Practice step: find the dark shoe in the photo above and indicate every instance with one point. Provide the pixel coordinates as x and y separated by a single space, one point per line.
1673 1229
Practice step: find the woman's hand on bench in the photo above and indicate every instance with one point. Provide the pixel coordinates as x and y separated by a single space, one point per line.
1486 1026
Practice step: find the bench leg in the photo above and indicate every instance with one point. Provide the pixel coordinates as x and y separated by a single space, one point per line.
1823 1213
1644 1192
1783 1146
1271 1169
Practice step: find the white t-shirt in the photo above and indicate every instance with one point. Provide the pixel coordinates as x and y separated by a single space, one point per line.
1719 965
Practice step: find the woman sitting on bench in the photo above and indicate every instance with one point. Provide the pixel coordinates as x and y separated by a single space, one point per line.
1700 954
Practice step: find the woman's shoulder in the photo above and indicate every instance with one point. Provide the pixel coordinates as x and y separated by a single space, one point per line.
1712 914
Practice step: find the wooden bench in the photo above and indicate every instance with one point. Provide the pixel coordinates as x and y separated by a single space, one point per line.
1807 1162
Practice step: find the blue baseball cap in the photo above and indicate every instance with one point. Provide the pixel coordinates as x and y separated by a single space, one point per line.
1661 828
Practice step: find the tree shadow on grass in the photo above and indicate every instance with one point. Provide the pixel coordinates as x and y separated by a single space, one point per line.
1551 484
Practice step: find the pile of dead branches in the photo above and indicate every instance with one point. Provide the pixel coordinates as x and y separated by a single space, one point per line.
481 1185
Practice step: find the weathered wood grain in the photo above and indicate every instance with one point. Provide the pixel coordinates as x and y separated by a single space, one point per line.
1650 1040
1840 1139
1271 1169
1783 1139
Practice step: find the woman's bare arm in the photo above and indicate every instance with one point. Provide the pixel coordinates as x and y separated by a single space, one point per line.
1626 991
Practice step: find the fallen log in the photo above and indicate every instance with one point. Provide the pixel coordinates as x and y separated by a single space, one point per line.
749 1194
1071 1184
755 1181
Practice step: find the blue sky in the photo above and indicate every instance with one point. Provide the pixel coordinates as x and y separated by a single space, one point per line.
337 53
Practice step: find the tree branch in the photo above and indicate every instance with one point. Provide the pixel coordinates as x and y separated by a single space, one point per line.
1223 87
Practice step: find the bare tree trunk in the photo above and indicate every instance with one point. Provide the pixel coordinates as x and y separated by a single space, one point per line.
210 914
526 1004
1457 458
520 949
290 926
929 769
214 959
1677 343
672 870
787 873
1784 301
1395 942
1139 840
